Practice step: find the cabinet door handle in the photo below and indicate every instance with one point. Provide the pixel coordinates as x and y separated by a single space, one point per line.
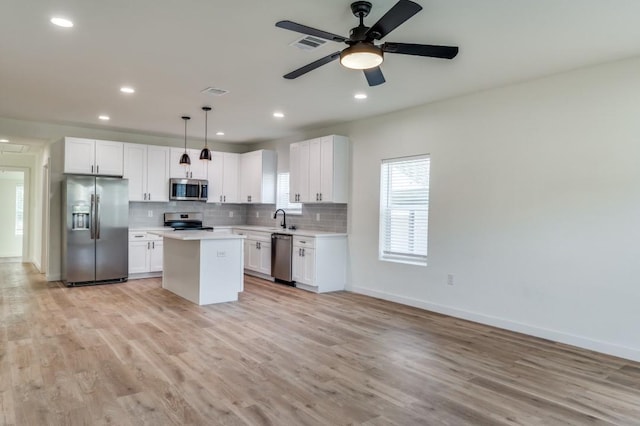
321 196
153 245
98 170
92 169
303 252
317 196
144 196
149 196
224 198
148 245
221 198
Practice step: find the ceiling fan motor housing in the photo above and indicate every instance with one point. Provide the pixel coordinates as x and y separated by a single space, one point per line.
361 8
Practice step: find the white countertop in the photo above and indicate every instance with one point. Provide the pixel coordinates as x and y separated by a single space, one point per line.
196 235
297 232
158 230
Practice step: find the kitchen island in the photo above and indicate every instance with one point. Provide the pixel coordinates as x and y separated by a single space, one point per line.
203 267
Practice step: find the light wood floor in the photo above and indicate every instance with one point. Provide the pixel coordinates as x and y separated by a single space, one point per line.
132 354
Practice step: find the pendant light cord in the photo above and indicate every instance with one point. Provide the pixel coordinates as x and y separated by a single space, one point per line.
206 122
185 134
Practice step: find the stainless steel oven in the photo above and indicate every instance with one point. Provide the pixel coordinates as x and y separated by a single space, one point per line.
188 189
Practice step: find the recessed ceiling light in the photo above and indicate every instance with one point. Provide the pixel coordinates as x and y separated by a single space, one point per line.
360 96
4 140
126 89
278 114
61 22
104 117
220 133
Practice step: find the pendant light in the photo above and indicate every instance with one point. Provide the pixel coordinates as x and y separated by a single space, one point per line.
185 160
205 154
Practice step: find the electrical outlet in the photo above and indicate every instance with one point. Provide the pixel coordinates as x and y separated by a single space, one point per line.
149 213
318 217
222 254
257 214
450 279
231 214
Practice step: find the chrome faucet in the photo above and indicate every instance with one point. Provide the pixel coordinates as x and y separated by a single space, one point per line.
284 217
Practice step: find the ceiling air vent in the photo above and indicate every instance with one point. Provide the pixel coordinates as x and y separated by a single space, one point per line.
308 43
214 92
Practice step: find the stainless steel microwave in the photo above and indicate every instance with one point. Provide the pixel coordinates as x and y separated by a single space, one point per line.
188 189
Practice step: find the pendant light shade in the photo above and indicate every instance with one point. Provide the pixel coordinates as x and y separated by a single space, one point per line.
205 154
184 159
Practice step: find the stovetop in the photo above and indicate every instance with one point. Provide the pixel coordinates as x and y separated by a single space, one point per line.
192 228
185 222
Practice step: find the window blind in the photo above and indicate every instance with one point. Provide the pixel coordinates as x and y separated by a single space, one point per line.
404 209
282 197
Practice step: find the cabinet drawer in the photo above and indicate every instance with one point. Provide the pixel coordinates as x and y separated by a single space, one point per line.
304 242
143 236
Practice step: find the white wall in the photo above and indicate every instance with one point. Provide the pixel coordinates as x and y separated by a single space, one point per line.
535 207
10 243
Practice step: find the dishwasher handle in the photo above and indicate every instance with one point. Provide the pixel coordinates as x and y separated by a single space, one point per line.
280 237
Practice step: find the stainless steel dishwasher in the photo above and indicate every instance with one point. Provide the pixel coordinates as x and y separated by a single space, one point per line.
281 248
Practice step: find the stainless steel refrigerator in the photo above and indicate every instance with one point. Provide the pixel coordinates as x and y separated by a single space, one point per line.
95 248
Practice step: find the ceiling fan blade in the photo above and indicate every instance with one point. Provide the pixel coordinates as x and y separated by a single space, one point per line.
312 66
445 52
394 17
299 28
374 76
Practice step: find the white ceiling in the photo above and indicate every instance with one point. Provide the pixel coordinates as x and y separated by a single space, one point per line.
170 50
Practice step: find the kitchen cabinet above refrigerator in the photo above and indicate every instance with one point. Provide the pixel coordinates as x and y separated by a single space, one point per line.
93 157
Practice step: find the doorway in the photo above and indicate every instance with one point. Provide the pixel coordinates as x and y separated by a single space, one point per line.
12 215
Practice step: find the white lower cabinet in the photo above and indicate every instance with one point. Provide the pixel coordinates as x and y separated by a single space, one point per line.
145 253
320 264
304 261
257 251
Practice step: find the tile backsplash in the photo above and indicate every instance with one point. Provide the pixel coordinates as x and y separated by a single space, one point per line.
214 214
317 217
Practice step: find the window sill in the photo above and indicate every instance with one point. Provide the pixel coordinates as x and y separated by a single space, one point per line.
404 261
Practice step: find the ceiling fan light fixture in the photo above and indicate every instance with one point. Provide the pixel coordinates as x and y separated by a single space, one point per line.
184 159
361 56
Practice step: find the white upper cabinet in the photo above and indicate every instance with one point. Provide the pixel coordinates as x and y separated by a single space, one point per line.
147 169
299 172
319 170
93 157
223 177
258 177
196 170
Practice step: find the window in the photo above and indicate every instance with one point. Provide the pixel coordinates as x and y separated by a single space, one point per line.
282 199
404 209
19 208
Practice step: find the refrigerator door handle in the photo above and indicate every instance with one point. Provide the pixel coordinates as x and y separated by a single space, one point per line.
97 217
92 217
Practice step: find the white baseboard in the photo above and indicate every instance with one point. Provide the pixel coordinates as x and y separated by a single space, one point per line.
556 336
259 275
54 277
37 265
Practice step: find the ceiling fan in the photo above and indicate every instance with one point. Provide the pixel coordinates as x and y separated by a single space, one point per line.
362 52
